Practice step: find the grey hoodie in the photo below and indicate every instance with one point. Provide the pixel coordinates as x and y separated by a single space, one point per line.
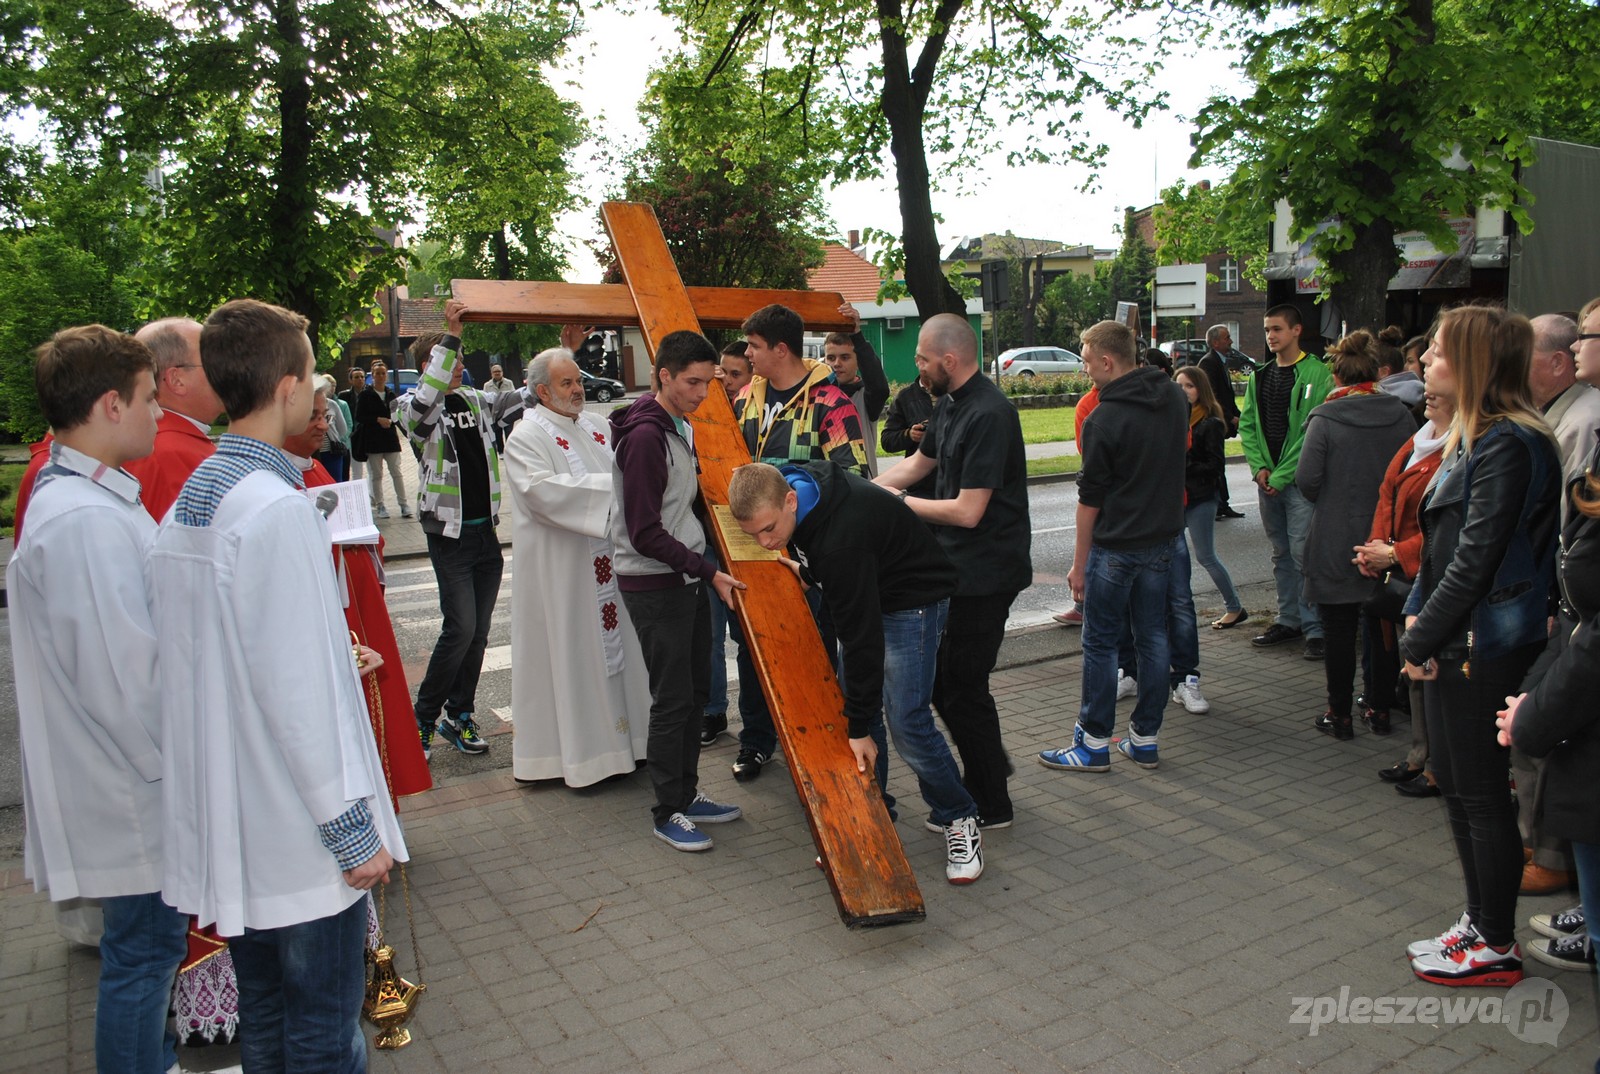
657 537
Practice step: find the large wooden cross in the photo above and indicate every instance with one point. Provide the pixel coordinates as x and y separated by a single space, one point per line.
861 852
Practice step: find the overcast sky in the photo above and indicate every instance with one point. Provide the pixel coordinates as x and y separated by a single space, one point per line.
607 71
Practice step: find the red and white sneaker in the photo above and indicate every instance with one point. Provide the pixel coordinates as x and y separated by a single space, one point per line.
1471 962
1451 936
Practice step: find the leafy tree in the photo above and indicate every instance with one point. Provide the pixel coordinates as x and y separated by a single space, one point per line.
1128 276
1195 223
946 76
738 201
48 283
1070 304
1384 116
1025 277
285 132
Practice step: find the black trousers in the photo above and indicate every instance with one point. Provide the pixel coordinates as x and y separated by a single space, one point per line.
674 629
1340 625
1474 771
972 635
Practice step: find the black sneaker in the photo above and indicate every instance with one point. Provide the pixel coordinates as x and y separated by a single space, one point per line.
747 765
426 734
1568 953
1316 649
1559 925
713 727
1276 634
461 731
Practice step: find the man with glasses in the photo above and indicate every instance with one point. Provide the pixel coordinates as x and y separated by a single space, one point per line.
188 409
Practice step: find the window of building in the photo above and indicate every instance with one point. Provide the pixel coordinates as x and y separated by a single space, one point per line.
1228 276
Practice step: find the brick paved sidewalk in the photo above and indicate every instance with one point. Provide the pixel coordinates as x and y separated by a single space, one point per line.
1130 921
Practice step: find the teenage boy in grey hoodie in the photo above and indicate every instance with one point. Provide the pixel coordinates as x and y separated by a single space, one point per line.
659 544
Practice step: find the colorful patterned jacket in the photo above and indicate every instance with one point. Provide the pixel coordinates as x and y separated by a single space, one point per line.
438 472
819 422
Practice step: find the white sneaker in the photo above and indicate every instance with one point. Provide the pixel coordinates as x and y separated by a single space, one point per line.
381 512
1126 687
1461 930
1189 696
964 851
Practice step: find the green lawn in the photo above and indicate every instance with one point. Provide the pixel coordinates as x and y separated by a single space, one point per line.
10 474
1055 426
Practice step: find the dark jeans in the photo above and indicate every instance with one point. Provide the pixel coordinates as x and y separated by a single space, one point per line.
300 992
1340 622
1473 771
143 942
1122 591
972 635
758 731
468 571
674 628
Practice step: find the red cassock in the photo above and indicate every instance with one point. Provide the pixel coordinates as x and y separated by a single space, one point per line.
368 616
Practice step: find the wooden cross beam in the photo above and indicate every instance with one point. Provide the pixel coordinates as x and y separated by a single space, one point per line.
861 852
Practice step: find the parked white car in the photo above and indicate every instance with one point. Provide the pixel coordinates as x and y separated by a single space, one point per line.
1028 361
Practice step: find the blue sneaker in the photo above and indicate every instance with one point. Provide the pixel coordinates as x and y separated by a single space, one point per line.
1142 754
704 811
1079 757
461 731
679 833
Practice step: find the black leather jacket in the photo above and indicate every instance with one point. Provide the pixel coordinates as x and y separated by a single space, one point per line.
1488 552
1559 719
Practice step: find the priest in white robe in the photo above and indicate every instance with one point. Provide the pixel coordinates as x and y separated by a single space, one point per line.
580 696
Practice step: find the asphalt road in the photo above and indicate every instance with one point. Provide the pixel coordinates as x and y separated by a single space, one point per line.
413 605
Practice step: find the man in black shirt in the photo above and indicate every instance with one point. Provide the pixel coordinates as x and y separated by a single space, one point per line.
980 513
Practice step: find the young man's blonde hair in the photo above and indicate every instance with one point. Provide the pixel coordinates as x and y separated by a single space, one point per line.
754 486
1115 340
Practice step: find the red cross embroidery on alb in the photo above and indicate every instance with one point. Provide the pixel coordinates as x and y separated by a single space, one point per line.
600 438
563 443
608 615
602 569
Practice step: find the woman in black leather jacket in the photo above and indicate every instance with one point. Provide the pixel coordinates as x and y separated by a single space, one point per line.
1476 620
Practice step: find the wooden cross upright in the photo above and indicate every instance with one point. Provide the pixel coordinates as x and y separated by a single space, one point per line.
861 852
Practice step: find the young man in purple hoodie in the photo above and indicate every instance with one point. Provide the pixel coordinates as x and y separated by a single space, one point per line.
659 544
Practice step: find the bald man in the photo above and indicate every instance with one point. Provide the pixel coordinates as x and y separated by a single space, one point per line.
979 512
188 410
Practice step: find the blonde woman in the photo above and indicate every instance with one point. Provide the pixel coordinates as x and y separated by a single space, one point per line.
1476 620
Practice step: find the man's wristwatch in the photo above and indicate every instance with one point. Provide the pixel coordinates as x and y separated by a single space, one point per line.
902 495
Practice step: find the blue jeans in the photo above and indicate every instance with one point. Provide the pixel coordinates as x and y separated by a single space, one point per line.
1183 636
468 570
1200 519
1286 517
140 950
1586 856
300 992
1125 586
910 664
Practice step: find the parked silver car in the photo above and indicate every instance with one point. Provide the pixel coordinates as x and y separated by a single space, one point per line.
1027 361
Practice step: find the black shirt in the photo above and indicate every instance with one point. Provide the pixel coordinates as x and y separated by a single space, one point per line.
976 438
1274 389
462 421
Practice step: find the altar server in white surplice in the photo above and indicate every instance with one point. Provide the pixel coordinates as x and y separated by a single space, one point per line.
580 696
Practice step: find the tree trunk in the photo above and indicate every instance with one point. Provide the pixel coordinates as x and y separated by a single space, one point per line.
293 210
1362 293
502 253
904 102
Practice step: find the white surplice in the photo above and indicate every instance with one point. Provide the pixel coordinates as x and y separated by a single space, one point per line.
572 717
264 715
